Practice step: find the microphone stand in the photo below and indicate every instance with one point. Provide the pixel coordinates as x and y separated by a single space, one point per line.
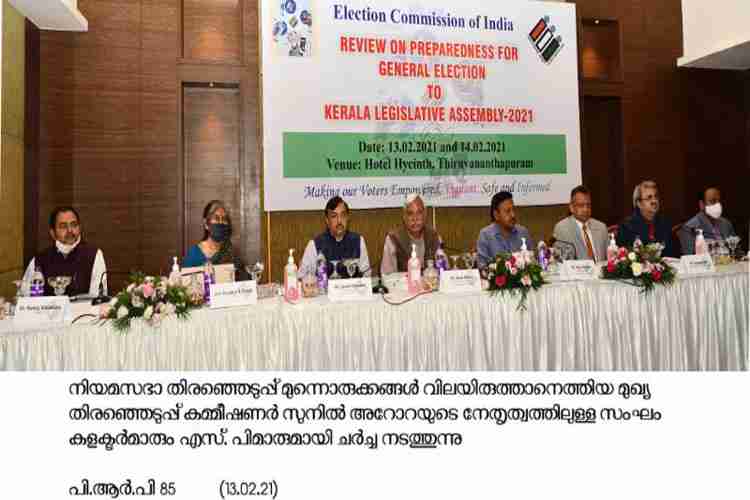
103 298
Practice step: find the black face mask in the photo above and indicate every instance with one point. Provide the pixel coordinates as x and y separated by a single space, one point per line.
220 232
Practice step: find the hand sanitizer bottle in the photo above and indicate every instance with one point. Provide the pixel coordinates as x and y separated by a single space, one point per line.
414 272
174 276
612 248
700 243
291 284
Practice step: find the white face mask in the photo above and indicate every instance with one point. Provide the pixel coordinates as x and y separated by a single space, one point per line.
66 249
714 211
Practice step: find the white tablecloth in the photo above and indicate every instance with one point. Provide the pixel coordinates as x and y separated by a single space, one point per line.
700 323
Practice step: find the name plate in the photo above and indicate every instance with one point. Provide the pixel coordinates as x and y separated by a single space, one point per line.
238 293
696 264
460 281
580 270
350 289
42 310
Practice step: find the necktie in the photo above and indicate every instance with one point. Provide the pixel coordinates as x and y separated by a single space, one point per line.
651 231
589 247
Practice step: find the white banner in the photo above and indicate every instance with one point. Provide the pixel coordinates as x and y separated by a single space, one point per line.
456 101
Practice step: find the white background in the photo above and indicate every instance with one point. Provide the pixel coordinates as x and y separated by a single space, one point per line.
698 450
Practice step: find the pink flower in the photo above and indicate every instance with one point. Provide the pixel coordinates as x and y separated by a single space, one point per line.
656 275
148 290
526 281
622 252
104 310
513 271
500 280
512 260
611 266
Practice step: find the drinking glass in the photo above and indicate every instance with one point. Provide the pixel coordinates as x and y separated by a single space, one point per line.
733 242
335 274
455 261
255 272
351 267
59 284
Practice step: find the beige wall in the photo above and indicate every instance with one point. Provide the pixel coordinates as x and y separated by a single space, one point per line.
12 148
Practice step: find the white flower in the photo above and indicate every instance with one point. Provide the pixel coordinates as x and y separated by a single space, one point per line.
122 312
632 256
493 266
169 309
637 270
113 302
137 300
526 281
513 271
148 312
155 320
130 288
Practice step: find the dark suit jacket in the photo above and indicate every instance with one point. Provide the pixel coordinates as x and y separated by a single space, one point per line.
636 225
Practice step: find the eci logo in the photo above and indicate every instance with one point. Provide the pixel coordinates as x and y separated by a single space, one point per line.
543 38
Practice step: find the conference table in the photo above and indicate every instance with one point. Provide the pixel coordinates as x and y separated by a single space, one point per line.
699 323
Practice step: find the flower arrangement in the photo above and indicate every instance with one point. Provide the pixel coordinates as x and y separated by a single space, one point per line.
642 267
516 273
150 298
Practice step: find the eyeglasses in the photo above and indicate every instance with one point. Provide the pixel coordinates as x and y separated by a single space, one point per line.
653 197
63 226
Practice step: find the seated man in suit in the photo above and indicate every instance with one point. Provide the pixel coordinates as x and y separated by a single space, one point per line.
587 235
709 219
337 243
647 223
503 235
69 256
398 241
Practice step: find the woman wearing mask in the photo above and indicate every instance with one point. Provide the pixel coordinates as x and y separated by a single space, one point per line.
216 244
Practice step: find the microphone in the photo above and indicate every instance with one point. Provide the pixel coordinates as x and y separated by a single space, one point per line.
102 297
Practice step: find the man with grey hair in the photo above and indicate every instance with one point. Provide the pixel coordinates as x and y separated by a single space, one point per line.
647 223
413 230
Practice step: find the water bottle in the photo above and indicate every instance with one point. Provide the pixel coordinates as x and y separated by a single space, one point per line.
542 255
321 272
37 283
209 278
441 260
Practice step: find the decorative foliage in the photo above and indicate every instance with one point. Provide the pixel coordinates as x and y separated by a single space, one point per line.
642 267
515 274
150 298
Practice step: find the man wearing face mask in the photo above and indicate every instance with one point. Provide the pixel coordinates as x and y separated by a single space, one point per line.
337 243
709 219
216 244
647 223
69 256
398 241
